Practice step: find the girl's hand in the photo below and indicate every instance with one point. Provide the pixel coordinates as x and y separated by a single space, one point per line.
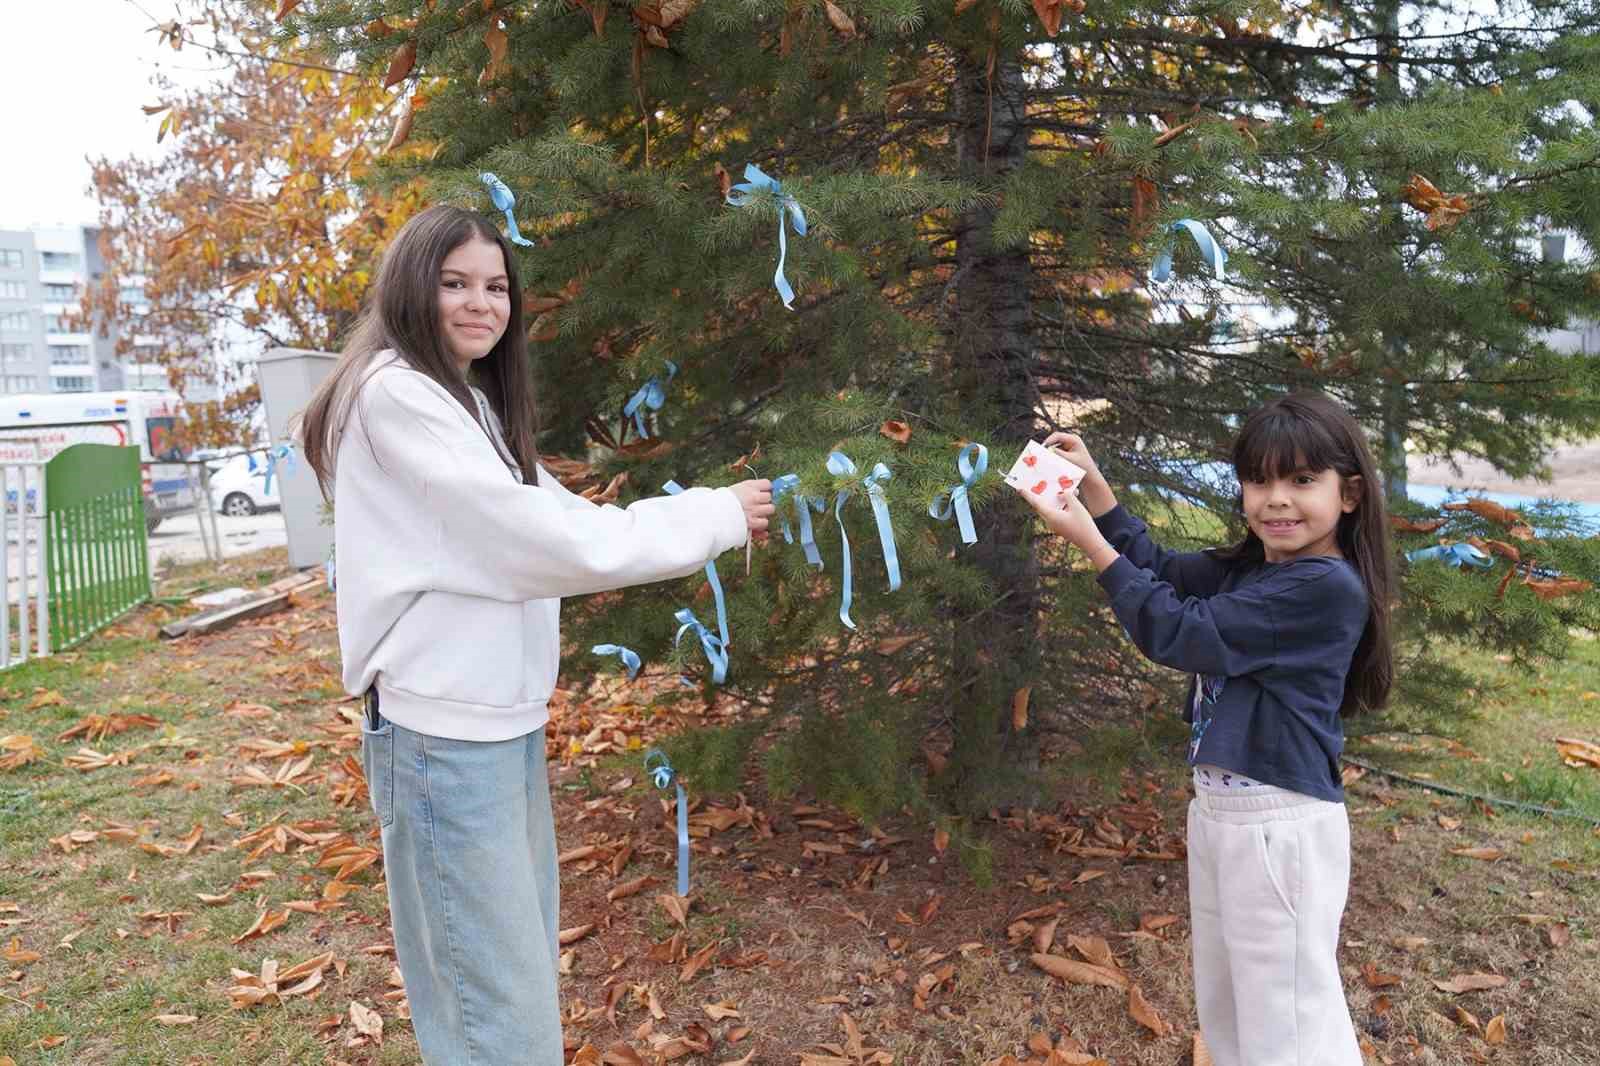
1097 494
755 497
1072 521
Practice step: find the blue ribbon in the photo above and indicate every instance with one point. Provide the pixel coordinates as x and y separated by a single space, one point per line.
651 395
283 452
501 196
332 583
840 465
661 775
803 506
629 657
756 182
716 649
954 499
1161 270
1457 555
716 584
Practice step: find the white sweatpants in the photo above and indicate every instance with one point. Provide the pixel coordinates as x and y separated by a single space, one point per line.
1269 871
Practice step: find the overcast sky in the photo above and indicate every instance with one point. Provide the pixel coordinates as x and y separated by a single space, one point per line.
73 76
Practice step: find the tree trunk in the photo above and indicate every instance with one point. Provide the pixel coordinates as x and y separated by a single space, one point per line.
993 375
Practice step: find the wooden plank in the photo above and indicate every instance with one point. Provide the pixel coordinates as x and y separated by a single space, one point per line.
223 617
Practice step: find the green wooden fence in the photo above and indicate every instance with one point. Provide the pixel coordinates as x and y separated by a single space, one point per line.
95 549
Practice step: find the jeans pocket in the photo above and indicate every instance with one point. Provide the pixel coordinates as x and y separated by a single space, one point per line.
377 760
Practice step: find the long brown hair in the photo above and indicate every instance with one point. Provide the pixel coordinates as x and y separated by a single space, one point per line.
402 313
1307 430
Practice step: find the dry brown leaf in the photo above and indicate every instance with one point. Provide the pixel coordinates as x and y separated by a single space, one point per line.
631 888
1376 980
1471 982
575 934
1495 1031
367 1022
19 750
1095 949
718 1011
676 906
1019 708
17 955
1082 973
265 922
841 22
899 432
400 64
1576 752
176 1019
1143 1013
1044 936
1486 854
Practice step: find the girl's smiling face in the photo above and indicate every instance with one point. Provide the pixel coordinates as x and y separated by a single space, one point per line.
474 300
1296 513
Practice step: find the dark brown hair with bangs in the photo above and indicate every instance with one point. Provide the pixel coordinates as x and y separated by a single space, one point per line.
1309 431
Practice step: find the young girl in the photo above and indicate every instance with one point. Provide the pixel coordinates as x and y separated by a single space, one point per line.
454 549
1284 632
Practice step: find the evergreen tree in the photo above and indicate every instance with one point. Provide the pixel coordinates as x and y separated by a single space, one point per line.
984 186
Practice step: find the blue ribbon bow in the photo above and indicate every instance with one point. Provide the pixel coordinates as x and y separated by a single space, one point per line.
803 506
661 775
755 182
501 196
716 588
629 657
283 453
1457 555
716 649
1161 270
954 499
651 395
840 464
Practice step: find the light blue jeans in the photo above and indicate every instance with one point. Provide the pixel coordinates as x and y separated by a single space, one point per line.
469 854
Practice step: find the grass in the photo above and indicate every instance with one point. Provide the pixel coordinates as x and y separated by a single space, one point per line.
123 937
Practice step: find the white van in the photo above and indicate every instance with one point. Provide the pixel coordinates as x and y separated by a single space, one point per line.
143 419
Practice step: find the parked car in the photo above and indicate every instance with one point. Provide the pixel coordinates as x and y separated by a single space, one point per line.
241 485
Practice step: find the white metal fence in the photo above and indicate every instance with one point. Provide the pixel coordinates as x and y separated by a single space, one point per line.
25 622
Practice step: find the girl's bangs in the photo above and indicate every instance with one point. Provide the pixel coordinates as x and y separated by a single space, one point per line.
1278 442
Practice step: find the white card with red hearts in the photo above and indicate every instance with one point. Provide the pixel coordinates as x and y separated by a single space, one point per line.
1042 472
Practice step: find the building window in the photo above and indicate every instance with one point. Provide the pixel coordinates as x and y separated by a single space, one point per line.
74 384
132 294
61 294
15 322
69 355
16 353
59 324
60 261
13 290
10 259
18 382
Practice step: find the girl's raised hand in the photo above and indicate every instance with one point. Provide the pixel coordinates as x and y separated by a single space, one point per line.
755 496
1067 518
1097 494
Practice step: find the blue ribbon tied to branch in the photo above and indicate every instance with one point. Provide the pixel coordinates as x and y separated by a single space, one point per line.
629 657
674 488
501 196
662 775
840 465
755 182
971 464
1213 252
651 396
268 468
1457 555
803 506
716 649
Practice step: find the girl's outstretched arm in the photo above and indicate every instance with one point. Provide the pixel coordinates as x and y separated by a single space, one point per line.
499 539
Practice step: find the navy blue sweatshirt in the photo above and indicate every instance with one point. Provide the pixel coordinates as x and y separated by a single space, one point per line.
1270 646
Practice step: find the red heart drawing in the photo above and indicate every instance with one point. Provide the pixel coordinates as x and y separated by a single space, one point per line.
1030 460
1038 490
1066 483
